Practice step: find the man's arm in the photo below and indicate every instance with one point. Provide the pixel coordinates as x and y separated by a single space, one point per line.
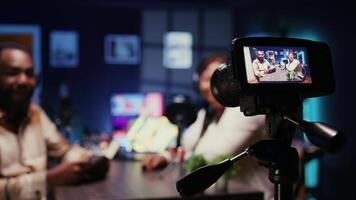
26 186
77 164
270 66
33 185
256 69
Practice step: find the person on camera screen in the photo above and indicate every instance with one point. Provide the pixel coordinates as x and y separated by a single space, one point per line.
260 65
294 66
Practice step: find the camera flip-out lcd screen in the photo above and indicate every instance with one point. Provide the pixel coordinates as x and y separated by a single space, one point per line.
277 64
273 67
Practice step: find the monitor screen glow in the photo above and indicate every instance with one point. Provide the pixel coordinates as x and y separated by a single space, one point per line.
126 107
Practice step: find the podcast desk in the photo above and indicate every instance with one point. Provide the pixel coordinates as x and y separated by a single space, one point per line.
278 74
126 180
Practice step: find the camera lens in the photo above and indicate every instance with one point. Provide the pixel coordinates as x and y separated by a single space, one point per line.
225 87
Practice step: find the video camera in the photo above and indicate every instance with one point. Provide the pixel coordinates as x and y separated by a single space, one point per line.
272 76
290 67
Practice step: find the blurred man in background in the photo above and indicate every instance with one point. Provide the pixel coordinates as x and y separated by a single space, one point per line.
28 137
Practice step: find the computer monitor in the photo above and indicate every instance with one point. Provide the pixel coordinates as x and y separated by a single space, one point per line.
126 107
139 124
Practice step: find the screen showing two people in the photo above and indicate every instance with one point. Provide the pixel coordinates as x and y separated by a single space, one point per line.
266 64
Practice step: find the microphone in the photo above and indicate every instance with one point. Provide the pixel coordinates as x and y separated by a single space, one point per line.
182 113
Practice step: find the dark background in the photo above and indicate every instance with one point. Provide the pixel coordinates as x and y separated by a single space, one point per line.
93 82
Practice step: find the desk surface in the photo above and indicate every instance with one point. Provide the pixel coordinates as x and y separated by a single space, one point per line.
277 76
126 180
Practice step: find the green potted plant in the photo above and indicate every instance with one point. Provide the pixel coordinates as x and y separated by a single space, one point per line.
195 162
292 75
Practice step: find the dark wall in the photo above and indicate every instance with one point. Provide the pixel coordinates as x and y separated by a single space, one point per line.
93 82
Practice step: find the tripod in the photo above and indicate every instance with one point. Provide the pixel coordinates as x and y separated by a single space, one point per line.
282 117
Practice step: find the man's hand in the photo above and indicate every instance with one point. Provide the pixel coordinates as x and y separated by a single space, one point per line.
67 173
153 162
96 169
261 73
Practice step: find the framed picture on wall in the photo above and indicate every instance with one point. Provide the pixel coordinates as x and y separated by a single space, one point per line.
178 50
122 49
64 49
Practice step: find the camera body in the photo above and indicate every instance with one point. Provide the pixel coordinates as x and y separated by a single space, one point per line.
267 66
